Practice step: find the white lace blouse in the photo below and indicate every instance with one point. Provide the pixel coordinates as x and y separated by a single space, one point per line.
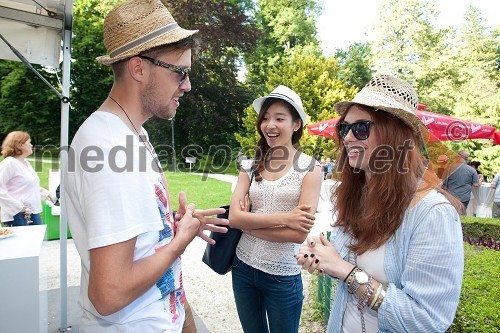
276 196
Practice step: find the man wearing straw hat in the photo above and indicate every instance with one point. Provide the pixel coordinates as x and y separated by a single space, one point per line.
116 194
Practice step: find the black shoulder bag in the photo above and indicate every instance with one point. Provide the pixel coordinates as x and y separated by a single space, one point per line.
219 257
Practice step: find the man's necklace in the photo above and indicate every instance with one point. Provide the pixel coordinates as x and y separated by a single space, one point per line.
141 136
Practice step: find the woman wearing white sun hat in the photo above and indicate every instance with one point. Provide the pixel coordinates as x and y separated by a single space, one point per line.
284 192
397 246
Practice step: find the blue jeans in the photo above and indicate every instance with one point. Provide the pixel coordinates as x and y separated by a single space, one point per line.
20 221
258 294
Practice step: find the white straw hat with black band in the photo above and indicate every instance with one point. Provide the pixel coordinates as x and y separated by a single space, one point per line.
137 26
286 94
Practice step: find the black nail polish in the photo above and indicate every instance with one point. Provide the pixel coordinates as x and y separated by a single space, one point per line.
316 261
312 255
321 271
305 255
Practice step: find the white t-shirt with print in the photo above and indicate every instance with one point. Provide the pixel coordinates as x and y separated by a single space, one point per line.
113 192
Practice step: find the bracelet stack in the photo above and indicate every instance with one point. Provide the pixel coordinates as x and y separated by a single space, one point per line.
367 293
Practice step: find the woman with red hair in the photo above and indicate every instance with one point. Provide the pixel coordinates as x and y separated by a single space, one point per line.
20 191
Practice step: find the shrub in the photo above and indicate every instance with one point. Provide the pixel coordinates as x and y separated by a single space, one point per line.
481 231
479 307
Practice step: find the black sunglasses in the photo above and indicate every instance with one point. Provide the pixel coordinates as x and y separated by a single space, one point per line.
360 129
183 71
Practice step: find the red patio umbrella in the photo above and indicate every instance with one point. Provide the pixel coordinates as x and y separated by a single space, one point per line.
324 128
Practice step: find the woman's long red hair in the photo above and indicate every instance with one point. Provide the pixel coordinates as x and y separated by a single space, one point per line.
373 212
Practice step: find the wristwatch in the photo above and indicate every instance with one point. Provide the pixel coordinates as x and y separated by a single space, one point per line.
360 278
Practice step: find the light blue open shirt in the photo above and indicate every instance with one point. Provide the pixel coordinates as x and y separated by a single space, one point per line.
423 263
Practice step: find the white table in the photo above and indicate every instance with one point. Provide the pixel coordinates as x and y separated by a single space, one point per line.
325 202
324 212
19 280
481 199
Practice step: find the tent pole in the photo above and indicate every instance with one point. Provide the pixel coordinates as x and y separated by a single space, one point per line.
28 64
63 223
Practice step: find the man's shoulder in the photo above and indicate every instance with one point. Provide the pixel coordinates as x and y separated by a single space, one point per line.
98 128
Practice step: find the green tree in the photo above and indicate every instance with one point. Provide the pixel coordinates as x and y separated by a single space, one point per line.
90 80
287 27
406 37
28 104
355 64
455 71
477 52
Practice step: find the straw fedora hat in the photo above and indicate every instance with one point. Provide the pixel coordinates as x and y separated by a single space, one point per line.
393 95
137 26
286 94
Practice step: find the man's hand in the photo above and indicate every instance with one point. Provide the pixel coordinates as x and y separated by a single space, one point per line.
211 223
205 219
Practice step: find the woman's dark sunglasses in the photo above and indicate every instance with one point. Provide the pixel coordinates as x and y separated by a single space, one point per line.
360 129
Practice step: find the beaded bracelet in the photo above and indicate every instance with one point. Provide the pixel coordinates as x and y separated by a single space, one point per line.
379 289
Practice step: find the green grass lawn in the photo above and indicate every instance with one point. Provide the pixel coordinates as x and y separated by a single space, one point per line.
204 192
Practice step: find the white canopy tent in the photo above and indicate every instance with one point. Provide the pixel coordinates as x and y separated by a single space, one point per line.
33 32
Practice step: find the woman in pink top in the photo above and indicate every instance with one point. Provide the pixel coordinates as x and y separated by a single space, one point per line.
20 191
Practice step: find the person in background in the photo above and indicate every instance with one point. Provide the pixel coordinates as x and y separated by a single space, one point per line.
118 207
460 181
284 192
396 248
442 162
324 169
495 183
329 166
475 165
20 191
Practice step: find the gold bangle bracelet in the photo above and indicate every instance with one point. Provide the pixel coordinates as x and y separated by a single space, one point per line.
380 298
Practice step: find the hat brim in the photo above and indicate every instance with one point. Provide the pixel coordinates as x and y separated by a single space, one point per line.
167 38
257 105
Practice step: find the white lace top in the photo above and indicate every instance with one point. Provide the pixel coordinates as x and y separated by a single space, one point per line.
276 196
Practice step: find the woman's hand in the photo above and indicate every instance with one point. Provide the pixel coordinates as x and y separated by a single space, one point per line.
300 219
245 204
316 253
